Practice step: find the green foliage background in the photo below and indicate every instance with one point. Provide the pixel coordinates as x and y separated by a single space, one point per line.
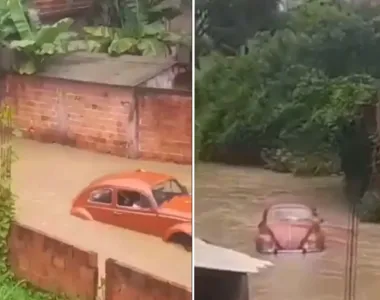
294 101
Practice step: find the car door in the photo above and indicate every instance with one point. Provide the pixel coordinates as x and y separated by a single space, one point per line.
126 215
166 220
100 204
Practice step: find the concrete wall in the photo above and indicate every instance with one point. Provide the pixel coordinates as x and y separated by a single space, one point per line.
58 267
220 285
148 123
51 264
123 282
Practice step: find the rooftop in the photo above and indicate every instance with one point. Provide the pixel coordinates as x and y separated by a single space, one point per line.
208 256
125 70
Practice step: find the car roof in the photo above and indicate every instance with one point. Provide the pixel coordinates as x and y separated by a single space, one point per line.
126 179
288 205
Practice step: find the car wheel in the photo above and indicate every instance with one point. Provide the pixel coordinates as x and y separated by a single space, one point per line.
182 239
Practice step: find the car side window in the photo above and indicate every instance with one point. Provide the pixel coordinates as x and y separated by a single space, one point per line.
170 186
132 199
101 196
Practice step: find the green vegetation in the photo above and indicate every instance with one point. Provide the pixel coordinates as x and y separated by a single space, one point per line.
7 199
130 27
136 27
225 26
294 99
10 289
299 90
32 42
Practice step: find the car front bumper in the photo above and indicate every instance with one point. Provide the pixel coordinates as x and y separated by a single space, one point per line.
278 251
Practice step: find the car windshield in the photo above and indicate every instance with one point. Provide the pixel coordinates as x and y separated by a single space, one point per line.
167 190
295 214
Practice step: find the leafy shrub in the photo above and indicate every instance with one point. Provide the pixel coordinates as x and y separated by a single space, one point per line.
136 27
149 40
368 208
32 41
299 89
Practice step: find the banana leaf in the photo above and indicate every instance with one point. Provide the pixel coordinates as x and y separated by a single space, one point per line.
47 49
22 45
28 67
153 29
158 13
49 33
120 46
152 47
20 20
175 39
103 32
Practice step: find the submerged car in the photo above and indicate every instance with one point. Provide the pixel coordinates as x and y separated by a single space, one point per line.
290 228
147 202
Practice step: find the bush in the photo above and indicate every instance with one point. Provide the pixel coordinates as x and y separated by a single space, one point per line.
368 208
300 89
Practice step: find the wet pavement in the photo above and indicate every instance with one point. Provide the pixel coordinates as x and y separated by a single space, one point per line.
46 177
229 205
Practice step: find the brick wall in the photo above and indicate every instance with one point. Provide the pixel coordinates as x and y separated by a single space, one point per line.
103 118
124 283
52 265
165 126
87 116
221 285
61 8
57 267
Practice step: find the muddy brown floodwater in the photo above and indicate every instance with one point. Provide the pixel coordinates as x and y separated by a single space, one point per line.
46 178
228 207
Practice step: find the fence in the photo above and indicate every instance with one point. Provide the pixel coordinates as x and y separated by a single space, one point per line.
59 267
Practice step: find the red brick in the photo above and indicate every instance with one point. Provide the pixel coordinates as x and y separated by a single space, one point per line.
98 117
123 282
61 8
59 262
53 265
164 122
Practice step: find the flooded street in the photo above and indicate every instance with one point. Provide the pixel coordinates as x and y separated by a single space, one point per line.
46 178
229 205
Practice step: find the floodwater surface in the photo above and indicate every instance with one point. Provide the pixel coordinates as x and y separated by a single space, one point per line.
229 205
47 177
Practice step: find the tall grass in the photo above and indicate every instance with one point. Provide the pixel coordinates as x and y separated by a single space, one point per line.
12 290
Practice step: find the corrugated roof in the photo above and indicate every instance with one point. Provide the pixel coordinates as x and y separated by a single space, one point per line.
214 257
125 70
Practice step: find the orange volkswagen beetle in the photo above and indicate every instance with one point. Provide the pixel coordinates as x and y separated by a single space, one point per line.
290 228
146 202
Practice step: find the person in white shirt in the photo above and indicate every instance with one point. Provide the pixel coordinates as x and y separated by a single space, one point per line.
135 205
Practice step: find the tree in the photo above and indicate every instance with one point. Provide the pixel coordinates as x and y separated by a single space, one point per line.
298 93
229 24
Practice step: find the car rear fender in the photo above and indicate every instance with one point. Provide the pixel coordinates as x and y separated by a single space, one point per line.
181 228
82 213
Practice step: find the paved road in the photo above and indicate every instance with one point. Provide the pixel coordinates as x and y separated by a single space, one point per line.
228 207
47 177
